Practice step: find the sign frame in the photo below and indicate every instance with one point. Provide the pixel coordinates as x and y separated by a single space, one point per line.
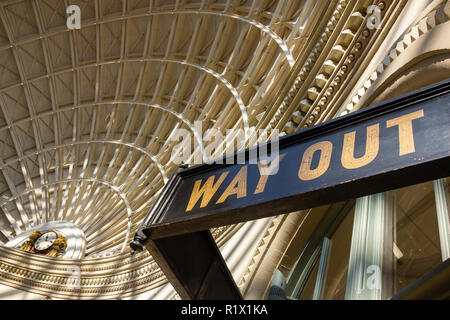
158 226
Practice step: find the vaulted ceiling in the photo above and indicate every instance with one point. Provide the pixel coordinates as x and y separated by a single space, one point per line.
87 115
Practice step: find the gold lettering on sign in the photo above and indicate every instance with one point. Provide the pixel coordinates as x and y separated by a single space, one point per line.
405 131
206 192
265 171
372 147
238 186
305 172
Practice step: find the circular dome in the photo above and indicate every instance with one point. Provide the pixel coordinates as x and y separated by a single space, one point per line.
87 116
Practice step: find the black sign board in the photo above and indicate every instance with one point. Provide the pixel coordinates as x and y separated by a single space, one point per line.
397 143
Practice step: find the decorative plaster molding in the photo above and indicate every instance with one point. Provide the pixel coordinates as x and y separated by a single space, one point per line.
122 275
434 18
340 59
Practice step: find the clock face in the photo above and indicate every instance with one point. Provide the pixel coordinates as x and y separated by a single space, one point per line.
45 241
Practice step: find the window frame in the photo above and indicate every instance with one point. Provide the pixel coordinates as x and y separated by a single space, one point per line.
317 249
373 228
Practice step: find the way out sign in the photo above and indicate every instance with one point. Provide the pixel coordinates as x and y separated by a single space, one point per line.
394 144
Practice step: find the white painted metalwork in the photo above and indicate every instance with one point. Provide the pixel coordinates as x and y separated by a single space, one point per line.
371 247
441 194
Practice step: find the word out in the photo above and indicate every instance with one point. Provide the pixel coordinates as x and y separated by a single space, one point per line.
74 19
204 191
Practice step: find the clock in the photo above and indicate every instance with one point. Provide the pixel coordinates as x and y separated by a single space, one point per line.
45 241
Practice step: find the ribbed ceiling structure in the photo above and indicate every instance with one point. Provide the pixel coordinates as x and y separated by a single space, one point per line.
87 115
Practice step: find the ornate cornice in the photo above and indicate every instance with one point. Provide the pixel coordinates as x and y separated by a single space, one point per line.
439 15
336 64
264 243
108 277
